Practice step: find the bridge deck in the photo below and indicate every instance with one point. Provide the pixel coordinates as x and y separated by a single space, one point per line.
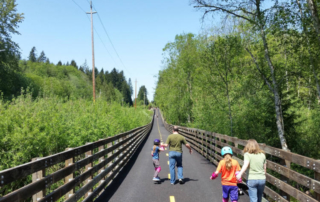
135 183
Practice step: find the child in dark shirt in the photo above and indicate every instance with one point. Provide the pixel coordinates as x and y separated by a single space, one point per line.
155 151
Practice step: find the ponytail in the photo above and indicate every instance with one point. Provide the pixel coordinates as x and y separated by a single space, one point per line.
154 148
228 158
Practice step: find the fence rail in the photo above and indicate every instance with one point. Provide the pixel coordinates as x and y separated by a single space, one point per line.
86 171
209 144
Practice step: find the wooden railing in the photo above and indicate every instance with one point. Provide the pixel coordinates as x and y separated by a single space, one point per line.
279 163
76 174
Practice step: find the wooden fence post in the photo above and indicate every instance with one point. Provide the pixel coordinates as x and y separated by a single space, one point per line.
285 179
67 179
35 177
88 167
317 177
101 148
108 156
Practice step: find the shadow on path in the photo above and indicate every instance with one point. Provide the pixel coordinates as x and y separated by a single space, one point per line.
115 184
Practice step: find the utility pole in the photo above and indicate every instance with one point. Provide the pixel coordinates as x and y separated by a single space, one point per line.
93 65
135 100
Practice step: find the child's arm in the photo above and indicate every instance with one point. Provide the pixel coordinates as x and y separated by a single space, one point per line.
151 153
214 175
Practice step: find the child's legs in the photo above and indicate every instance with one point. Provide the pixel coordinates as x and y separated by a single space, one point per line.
156 165
225 193
233 193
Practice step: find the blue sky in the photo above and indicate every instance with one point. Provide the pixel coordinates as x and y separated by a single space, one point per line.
138 29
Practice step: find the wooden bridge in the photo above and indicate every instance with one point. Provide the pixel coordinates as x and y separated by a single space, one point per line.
119 168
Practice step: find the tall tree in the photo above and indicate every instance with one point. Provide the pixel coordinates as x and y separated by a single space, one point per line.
9 22
59 63
33 55
142 95
74 64
257 16
130 86
42 57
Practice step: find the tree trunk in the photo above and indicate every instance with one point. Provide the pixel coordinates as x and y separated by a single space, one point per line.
315 17
277 99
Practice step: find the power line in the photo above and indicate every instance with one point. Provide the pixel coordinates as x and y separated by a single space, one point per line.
110 39
97 33
79 6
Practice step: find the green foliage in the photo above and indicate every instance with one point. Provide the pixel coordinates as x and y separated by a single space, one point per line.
44 126
142 95
211 82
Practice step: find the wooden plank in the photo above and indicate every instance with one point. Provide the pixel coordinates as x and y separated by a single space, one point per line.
33 188
297 194
117 164
59 192
109 178
87 168
315 185
69 162
274 195
35 177
101 159
18 172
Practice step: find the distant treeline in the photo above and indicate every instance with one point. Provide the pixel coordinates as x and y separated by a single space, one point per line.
66 80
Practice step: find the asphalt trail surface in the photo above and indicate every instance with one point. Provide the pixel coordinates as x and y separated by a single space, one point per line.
134 183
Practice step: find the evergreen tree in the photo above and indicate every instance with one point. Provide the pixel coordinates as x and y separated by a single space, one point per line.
59 63
126 93
81 69
74 64
47 61
42 57
130 86
33 55
142 95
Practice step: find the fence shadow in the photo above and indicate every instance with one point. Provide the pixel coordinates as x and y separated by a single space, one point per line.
116 182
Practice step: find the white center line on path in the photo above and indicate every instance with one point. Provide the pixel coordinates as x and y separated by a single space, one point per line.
172 199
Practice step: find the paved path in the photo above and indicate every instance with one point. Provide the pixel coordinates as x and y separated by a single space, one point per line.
134 183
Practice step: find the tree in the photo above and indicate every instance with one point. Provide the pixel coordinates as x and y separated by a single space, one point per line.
74 64
130 86
142 95
9 22
42 57
256 16
59 63
33 55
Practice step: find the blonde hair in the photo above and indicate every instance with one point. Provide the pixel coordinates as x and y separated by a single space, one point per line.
228 161
154 148
252 147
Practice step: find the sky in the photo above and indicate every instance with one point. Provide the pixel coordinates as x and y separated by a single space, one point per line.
138 31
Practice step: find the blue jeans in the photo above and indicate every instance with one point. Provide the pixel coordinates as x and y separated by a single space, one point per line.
175 158
256 188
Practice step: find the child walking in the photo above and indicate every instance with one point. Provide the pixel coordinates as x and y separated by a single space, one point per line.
228 167
155 151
